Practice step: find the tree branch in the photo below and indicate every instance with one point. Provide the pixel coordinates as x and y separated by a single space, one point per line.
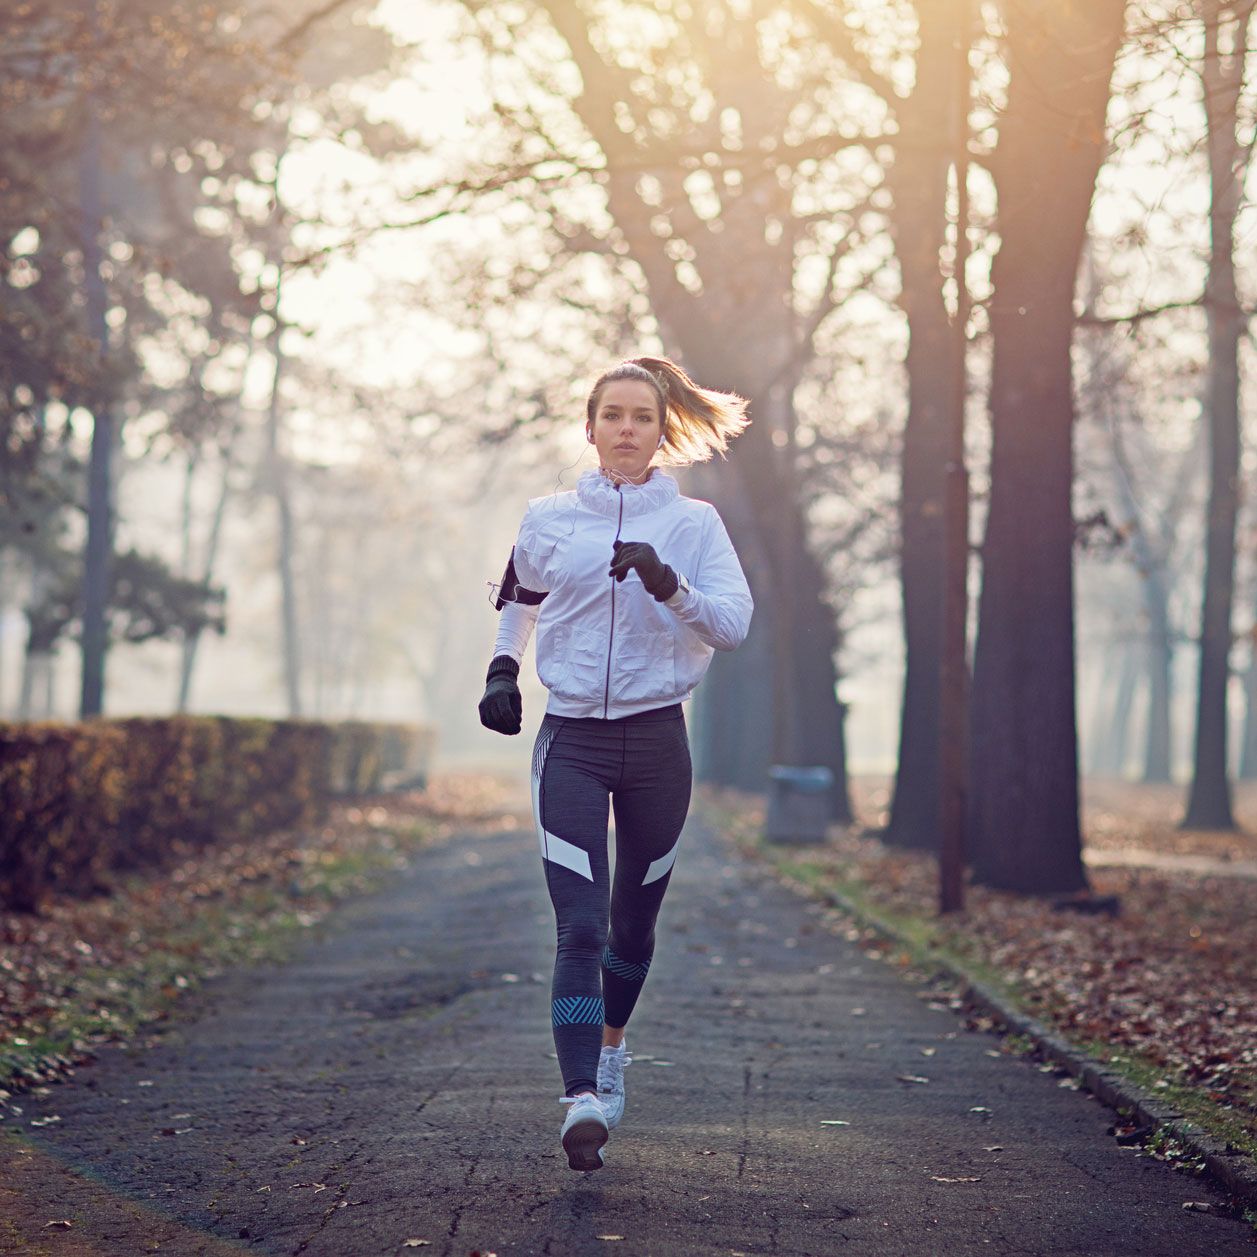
294 35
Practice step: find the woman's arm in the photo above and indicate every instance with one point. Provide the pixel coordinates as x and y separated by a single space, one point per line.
718 605
515 629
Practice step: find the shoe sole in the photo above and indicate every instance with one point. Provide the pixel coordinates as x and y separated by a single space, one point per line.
583 1142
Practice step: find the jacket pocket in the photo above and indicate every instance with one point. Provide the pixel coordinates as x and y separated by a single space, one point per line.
643 667
576 664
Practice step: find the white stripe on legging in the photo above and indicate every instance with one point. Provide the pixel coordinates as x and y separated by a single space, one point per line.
556 850
659 867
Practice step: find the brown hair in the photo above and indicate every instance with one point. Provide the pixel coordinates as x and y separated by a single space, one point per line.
697 422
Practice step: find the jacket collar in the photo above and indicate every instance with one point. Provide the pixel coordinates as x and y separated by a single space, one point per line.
596 493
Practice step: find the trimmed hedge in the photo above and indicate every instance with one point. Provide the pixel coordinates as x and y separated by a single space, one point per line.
81 801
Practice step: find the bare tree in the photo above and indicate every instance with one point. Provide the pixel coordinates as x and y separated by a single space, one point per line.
1024 825
1227 27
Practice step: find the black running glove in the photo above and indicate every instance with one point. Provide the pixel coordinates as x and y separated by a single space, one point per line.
502 707
660 580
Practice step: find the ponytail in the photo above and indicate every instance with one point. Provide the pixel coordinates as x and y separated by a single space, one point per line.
697 422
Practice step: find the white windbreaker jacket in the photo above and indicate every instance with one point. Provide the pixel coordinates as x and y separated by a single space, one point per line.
609 650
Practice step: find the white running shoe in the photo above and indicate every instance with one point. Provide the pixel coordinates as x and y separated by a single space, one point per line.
611 1066
585 1131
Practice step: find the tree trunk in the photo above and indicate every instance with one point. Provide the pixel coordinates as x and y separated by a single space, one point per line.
1209 800
782 705
1158 744
820 715
919 185
1094 746
730 749
192 643
1123 705
277 472
99 547
1248 752
1024 823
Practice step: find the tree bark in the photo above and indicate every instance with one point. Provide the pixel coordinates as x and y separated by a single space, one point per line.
1209 799
99 547
918 183
1024 822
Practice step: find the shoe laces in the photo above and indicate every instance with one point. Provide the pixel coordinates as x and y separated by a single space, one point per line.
611 1067
585 1097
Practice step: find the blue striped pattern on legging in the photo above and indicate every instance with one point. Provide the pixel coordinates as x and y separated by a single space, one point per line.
629 970
577 1010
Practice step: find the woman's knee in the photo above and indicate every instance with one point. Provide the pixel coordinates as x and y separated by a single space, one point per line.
583 936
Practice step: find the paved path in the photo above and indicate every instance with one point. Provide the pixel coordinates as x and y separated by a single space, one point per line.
395 1083
1169 862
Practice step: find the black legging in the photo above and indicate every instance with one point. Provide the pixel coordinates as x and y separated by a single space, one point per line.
606 935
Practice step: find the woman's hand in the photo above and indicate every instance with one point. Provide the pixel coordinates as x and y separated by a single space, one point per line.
502 707
660 580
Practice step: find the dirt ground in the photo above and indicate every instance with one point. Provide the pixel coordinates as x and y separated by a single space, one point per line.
1118 816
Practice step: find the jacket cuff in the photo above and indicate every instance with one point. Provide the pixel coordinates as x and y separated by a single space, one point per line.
502 665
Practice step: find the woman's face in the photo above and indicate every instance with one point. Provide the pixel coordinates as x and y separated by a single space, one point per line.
626 427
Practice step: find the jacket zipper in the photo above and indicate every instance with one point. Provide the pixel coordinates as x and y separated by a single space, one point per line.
606 694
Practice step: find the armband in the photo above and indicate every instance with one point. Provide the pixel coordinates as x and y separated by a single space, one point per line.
510 590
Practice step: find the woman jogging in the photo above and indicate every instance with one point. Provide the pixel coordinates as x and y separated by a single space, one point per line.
630 587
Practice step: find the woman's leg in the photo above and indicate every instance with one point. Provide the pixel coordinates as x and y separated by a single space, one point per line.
651 803
573 763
